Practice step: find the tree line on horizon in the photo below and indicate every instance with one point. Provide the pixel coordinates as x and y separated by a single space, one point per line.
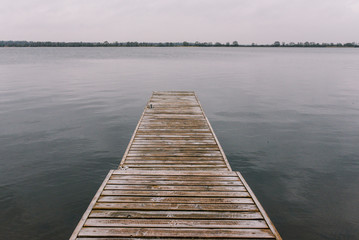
168 44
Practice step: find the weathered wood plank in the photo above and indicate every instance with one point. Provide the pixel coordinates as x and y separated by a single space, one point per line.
147 168
175 142
171 166
175 223
174 138
165 148
173 134
173 193
175 214
187 116
234 207
150 162
183 183
176 178
155 238
176 232
173 153
174 182
175 173
212 200
212 158
199 147
174 188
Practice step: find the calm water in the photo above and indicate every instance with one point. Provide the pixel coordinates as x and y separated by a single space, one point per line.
288 119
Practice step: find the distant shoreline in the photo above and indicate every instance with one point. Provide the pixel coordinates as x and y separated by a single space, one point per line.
174 44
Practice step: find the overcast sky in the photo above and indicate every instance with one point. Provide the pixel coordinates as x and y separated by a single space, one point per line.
247 21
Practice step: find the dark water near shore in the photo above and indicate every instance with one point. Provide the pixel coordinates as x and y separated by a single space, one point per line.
288 119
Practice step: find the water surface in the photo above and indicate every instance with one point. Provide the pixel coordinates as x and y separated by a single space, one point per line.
288 119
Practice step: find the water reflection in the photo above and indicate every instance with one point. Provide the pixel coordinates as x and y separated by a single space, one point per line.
288 119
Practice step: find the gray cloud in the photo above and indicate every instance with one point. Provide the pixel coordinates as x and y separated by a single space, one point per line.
178 20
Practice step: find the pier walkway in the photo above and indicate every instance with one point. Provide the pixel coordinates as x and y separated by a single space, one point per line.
174 182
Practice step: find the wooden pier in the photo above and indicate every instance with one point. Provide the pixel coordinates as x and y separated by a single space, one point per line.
174 182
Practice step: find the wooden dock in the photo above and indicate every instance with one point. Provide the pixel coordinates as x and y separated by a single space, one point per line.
174 182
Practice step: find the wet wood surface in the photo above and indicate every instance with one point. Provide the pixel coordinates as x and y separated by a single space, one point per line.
174 204
174 182
174 134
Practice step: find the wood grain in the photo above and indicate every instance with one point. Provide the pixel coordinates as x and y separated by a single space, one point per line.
174 182
173 125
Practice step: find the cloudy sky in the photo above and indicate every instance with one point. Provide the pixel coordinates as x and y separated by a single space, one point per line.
247 21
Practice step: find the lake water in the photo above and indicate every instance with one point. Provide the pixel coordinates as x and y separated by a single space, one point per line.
287 118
